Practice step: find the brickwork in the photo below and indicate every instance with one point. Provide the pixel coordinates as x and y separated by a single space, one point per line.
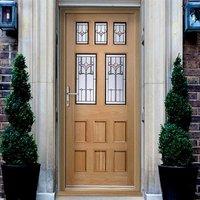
8 50
192 71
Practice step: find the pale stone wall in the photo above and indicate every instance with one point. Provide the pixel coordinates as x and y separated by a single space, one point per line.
37 43
162 42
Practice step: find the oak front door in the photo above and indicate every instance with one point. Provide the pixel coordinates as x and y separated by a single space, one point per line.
100 77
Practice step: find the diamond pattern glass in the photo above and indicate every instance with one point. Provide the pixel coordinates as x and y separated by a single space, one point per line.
101 32
115 79
86 78
119 33
82 36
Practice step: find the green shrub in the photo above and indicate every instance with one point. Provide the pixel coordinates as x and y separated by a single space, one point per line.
18 146
174 142
175 146
179 81
178 110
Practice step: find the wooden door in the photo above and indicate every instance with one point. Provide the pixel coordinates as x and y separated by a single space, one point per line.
101 108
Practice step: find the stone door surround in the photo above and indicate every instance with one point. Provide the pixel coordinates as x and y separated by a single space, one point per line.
161 33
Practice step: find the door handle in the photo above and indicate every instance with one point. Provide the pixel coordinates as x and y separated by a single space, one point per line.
68 93
71 93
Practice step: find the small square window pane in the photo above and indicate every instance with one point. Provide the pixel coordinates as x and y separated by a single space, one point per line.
82 35
101 32
119 33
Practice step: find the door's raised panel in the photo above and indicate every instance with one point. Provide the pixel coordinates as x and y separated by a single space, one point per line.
80 161
100 161
119 161
119 131
80 131
99 131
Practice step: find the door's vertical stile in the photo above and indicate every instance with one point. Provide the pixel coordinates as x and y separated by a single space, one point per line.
62 108
70 74
68 131
72 82
137 97
132 117
109 140
91 33
101 78
90 142
130 128
131 97
110 34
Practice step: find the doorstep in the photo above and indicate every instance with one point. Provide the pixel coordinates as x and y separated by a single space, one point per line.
97 198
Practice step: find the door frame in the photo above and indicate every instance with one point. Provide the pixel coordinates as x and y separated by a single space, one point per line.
113 190
165 42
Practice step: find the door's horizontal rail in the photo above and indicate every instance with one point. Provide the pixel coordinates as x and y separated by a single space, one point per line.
113 3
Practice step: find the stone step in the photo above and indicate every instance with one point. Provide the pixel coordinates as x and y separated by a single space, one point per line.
98 198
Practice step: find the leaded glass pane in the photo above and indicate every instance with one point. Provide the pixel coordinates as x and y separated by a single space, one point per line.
115 79
82 36
86 78
101 32
119 33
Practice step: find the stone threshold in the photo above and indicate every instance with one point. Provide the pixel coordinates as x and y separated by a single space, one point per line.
98 198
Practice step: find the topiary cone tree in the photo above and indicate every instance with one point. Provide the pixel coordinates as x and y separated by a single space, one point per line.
18 146
174 142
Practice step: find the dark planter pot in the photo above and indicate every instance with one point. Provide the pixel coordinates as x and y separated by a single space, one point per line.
178 183
20 182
